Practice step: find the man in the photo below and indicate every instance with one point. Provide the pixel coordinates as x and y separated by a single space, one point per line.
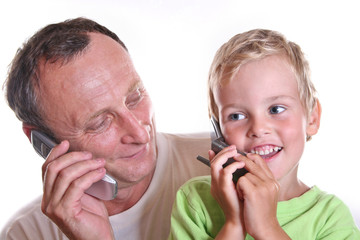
76 82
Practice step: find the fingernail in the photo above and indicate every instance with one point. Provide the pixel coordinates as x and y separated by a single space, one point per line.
87 154
100 160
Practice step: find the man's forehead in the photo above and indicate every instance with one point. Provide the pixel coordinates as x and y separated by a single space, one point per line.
95 70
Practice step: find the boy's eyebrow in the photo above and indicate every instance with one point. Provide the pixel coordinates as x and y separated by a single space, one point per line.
267 100
275 98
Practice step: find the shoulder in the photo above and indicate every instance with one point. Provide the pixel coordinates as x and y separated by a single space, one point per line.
30 223
184 146
196 193
196 214
188 140
331 202
179 152
199 184
337 218
317 202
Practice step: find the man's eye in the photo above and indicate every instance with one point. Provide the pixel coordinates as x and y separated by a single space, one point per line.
237 116
100 126
134 98
276 109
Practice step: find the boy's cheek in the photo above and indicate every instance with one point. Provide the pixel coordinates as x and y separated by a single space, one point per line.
293 128
236 136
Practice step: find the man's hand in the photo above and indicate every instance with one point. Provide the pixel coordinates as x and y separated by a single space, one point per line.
66 177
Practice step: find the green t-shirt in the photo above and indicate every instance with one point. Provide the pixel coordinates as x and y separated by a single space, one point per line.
314 215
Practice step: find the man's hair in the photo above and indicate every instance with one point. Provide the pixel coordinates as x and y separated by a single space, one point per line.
59 42
255 45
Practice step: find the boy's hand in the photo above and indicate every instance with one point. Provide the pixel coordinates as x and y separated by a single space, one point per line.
259 191
224 191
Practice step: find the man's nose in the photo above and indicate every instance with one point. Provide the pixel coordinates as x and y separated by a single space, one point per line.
134 130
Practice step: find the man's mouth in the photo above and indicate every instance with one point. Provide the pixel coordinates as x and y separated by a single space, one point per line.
135 154
266 151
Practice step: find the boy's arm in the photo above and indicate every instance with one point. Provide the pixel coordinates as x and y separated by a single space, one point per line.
230 230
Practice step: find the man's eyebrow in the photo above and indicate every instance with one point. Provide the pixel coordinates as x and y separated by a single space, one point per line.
95 115
135 85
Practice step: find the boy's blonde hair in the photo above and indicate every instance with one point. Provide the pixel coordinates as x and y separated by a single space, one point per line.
255 45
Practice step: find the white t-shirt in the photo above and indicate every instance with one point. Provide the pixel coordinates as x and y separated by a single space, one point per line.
149 218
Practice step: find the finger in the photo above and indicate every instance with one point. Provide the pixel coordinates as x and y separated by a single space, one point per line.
211 154
56 152
250 165
261 163
223 156
229 171
253 179
267 176
52 168
73 172
217 167
263 172
251 185
78 187
244 185
68 205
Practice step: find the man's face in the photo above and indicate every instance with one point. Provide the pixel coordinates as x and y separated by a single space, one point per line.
260 111
98 102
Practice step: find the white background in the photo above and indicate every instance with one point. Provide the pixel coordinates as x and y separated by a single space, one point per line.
172 44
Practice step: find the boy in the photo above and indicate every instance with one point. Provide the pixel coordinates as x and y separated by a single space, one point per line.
261 94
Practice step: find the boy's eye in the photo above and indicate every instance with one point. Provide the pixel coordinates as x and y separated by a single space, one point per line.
237 116
276 109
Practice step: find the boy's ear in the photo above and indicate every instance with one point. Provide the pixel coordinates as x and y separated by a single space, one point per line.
27 130
314 120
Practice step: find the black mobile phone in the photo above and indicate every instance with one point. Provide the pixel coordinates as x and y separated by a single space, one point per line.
105 189
217 144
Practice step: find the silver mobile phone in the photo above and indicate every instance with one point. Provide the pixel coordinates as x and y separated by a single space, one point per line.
105 189
217 144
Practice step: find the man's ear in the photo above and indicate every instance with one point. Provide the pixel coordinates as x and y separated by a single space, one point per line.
314 120
27 130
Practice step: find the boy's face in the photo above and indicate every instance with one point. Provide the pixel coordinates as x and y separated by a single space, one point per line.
260 111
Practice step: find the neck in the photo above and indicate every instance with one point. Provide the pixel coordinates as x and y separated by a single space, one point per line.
291 187
128 196
288 192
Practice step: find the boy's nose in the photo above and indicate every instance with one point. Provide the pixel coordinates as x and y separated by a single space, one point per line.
258 128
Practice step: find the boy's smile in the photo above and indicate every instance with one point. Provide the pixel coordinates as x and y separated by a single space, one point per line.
267 151
260 112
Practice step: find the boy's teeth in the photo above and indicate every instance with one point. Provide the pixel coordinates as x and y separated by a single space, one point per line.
266 151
